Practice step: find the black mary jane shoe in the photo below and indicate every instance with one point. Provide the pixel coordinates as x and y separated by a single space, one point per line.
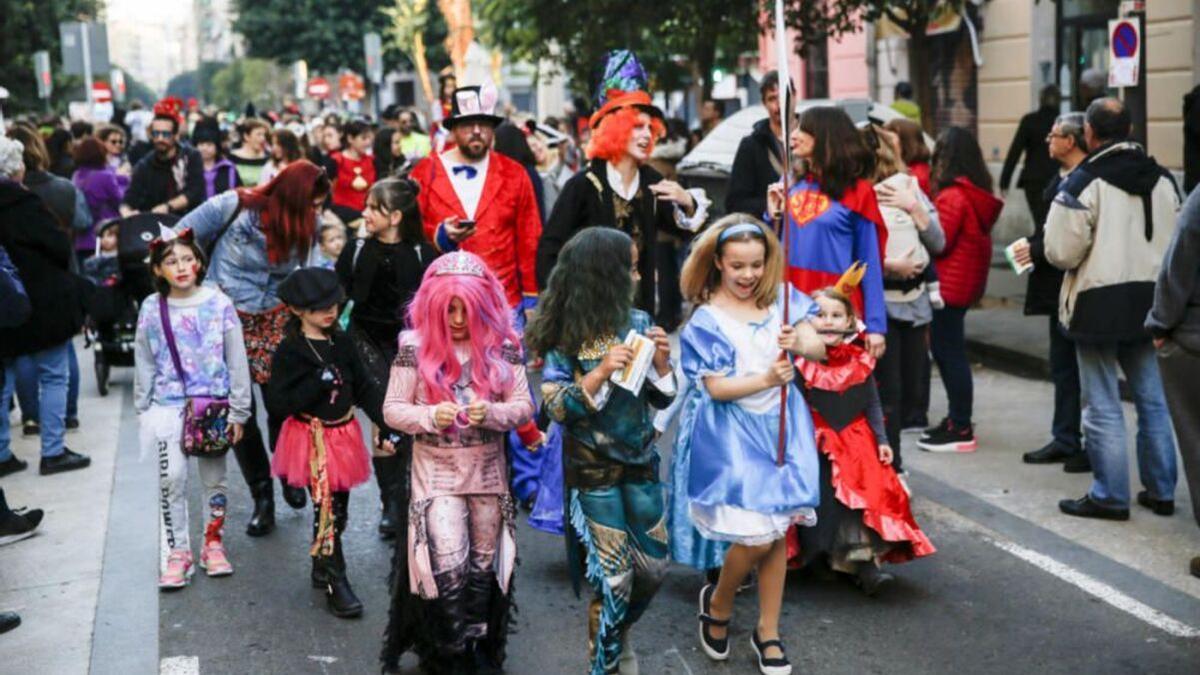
717 650
1160 507
773 665
870 579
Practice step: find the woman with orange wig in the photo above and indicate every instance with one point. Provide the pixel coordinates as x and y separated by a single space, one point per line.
617 188
256 236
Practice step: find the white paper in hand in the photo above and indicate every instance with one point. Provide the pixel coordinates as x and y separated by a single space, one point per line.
633 376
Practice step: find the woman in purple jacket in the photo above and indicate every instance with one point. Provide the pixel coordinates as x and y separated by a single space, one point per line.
100 186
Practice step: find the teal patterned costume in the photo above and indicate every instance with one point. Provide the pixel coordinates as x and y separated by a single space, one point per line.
617 530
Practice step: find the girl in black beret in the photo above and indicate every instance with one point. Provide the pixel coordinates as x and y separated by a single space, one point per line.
316 382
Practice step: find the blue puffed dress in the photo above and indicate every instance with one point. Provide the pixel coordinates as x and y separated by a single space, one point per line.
726 486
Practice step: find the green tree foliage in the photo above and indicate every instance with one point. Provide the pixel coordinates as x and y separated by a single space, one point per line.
27 26
328 34
259 81
678 42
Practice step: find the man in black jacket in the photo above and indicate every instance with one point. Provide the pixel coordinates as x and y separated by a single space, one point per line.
41 252
1030 140
1069 149
168 180
759 159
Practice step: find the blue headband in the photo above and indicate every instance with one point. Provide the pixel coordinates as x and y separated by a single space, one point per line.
740 228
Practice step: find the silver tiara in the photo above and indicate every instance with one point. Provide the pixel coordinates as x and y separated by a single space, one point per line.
458 262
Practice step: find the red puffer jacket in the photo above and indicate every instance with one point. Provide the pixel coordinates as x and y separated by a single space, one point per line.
967 214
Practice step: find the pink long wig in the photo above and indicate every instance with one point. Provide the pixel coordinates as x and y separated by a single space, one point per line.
488 319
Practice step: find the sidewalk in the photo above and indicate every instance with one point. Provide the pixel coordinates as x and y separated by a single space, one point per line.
1001 336
53 579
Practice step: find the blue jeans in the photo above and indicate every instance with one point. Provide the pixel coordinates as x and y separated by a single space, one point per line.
27 386
1104 421
52 366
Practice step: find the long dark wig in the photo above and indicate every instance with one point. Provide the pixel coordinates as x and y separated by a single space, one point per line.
955 154
840 156
589 293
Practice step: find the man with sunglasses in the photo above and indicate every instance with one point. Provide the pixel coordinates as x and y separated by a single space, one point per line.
168 180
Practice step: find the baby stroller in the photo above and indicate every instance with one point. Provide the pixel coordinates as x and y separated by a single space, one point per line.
120 289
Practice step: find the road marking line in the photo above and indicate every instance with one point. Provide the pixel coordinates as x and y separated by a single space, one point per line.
675 651
1098 589
179 665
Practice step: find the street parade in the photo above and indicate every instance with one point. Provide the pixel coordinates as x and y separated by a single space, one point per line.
544 337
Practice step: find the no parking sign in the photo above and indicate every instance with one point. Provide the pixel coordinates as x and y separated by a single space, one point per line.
1124 52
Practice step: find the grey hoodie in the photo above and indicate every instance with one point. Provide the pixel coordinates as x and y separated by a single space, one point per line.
1176 310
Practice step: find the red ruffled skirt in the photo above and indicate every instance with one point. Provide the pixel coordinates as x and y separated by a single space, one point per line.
347 462
862 483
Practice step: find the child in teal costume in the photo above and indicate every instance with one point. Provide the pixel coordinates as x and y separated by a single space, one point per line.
616 523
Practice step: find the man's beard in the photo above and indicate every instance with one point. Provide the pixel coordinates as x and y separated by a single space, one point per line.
164 151
471 154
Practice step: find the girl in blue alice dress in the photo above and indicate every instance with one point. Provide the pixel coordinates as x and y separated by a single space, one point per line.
727 484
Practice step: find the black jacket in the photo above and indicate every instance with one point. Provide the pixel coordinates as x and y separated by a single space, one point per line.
756 165
357 272
1191 140
41 252
1030 140
153 181
587 200
56 192
297 388
1045 280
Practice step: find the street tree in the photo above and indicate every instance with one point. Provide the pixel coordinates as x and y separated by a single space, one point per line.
676 41
816 20
258 81
26 27
328 35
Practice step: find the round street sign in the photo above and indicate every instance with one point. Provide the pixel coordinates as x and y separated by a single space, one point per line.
101 92
1124 40
318 87
351 86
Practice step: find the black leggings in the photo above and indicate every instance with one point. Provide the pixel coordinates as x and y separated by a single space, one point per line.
252 455
900 374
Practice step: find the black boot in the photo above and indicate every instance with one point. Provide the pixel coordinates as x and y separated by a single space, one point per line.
263 520
342 601
294 496
386 475
339 596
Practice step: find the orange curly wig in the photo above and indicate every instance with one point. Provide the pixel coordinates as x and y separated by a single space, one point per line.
611 136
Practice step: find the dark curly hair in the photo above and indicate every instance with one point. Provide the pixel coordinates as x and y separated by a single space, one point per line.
589 293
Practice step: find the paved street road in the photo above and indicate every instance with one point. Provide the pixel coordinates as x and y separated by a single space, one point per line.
1015 587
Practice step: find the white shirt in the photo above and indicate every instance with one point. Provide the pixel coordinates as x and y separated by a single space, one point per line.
468 190
628 193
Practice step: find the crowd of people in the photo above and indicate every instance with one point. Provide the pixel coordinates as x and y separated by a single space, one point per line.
304 271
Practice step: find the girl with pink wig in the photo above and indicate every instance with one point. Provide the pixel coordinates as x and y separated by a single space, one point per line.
458 386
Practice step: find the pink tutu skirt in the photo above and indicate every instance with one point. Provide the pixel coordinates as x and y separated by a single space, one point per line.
347 462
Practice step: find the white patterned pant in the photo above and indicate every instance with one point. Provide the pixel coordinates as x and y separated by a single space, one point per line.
159 430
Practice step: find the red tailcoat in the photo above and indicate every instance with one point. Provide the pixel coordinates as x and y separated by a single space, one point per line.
507 224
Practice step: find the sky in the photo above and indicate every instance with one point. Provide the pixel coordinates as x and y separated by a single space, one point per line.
147 9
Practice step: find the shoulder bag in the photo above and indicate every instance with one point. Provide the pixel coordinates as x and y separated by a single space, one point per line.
205 418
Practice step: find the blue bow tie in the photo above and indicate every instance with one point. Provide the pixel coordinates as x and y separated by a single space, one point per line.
469 170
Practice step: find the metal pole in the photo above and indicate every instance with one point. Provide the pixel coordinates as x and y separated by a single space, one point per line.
786 106
85 44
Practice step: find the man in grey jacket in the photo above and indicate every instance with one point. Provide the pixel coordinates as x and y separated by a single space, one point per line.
1174 321
1107 229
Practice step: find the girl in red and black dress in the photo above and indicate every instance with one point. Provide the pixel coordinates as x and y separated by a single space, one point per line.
355 170
864 518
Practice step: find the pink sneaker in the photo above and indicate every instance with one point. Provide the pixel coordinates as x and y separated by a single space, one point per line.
179 570
214 560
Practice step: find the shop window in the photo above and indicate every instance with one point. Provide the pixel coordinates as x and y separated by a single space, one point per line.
1083 49
816 70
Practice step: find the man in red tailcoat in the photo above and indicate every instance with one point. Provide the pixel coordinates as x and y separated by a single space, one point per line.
481 201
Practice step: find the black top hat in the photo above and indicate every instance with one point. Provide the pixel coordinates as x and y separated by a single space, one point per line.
207 130
311 288
474 104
